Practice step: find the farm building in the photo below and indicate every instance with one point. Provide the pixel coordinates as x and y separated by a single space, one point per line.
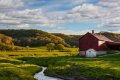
92 44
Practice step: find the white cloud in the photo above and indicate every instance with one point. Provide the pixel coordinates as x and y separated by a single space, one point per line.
10 4
113 11
105 11
25 17
84 12
109 3
108 16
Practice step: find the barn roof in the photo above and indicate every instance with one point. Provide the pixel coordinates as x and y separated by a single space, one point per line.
99 37
102 37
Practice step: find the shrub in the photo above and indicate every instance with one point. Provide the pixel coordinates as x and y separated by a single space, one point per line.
5 47
60 47
27 47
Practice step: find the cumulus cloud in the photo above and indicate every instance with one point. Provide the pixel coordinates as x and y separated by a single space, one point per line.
84 12
10 4
107 12
109 3
25 17
113 10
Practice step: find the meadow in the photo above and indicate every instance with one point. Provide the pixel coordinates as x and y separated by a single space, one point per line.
13 69
23 64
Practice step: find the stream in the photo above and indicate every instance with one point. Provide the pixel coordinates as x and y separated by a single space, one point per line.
41 76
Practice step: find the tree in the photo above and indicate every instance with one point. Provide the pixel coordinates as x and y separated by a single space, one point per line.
7 40
50 46
60 47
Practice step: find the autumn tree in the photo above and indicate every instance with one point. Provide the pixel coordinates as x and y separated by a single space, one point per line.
50 46
60 47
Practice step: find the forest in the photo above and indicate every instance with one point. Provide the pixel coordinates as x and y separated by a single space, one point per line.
35 38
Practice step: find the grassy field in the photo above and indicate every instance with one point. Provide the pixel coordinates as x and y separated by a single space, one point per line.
13 69
38 52
61 64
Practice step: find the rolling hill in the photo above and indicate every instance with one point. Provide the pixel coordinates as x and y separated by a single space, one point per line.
33 37
69 39
112 36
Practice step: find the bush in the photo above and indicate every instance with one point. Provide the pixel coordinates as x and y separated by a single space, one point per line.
50 46
27 47
60 47
5 47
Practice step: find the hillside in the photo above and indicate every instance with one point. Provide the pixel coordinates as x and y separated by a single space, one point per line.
6 43
69 39
73 39
33 37
41 38
6 39
112 36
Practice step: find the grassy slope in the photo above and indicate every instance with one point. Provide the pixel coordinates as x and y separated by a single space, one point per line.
76 68
13 69
103 68
70 39
59 64
10 71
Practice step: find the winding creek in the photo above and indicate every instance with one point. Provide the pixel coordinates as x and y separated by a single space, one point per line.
41 76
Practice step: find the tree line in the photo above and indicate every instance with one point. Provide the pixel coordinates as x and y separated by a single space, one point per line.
33 38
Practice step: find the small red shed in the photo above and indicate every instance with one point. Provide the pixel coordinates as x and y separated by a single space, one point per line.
96 44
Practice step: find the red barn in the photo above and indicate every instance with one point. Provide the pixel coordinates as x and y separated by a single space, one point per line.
96 44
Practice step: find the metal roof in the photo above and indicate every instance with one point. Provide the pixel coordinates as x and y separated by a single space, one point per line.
102 37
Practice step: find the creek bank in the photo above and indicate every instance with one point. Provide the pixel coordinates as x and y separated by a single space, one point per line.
41 76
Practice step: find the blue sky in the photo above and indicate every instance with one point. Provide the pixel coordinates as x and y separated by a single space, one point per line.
61 16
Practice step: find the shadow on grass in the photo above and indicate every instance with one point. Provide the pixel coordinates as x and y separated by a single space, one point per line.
45 61
77 67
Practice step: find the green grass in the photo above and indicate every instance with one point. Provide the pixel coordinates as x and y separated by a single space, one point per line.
13 69
14 72
65 64
38 52
100 68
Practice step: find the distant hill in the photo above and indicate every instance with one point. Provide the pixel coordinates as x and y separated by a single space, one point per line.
33 37
73 39
112 36
69 39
